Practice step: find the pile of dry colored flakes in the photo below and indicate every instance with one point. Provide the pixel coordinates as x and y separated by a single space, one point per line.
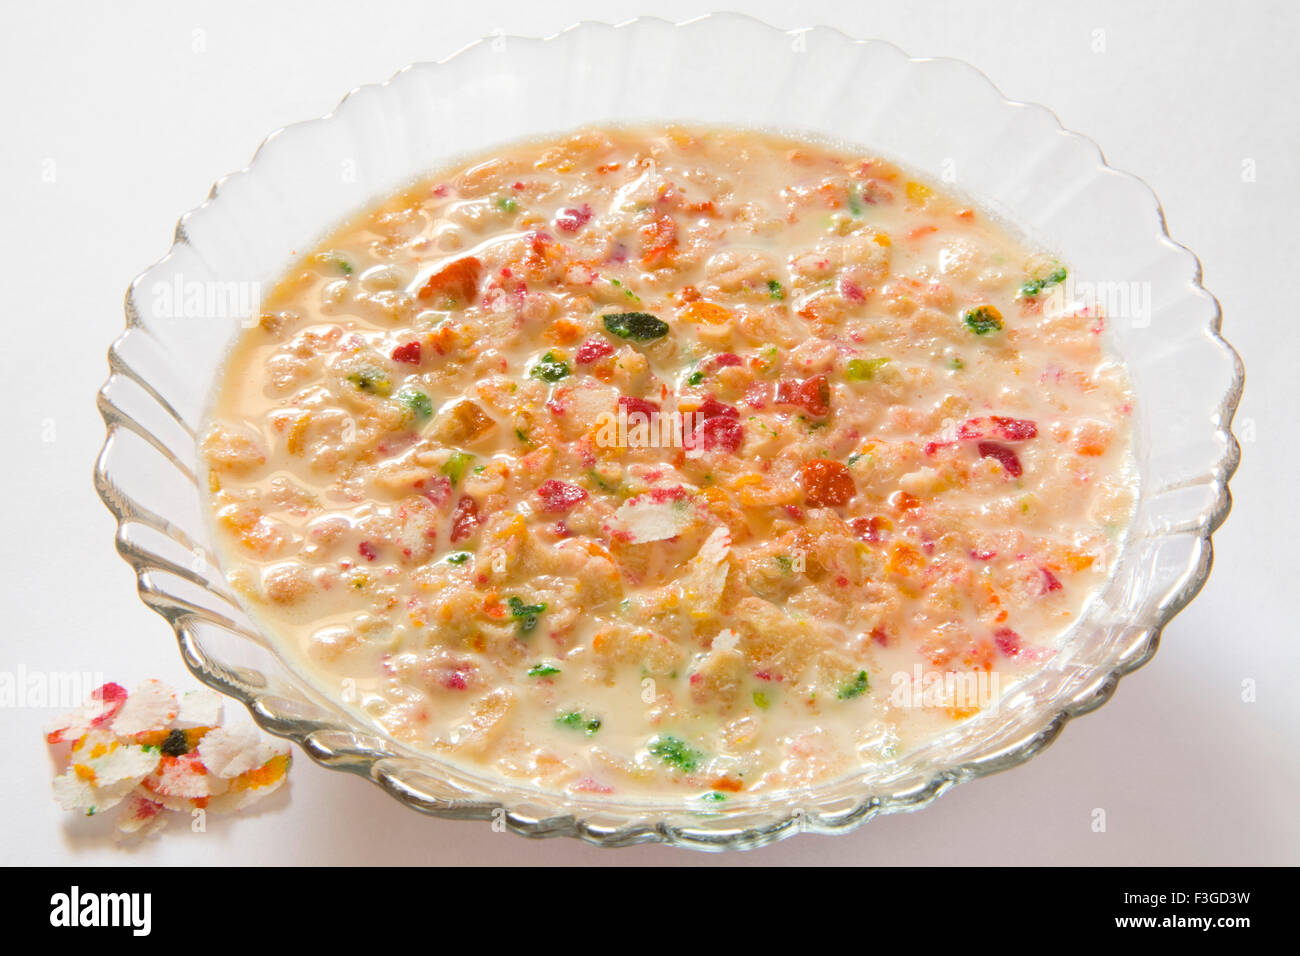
153 750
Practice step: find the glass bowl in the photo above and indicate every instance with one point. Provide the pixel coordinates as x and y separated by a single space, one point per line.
939 117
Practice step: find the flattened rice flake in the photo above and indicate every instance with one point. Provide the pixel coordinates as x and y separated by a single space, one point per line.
151 752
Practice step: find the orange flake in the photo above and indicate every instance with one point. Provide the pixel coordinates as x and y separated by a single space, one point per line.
658 241
917 192
563 332
709 313
905 560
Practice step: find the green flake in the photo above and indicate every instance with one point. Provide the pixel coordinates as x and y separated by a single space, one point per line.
983 320
416 401
856 688
372 380
637 326
864 370
675 752
454 467
526 615
550 368
1034 286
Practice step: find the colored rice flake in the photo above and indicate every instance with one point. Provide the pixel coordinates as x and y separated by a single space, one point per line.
103 704
152 752
230 751
151 707
181 783
657 515
559 496
101 772
706 574
198 708
140 816
251 766
253 785
717 426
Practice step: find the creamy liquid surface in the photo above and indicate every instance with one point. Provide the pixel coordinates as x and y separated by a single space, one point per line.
863 438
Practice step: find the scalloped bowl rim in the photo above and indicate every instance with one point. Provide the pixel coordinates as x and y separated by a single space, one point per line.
385 770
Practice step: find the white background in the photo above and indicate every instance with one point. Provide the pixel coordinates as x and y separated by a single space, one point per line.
136 107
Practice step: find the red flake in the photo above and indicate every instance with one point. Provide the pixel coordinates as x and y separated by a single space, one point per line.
712 408
439 490
758 395
852 291
464 519
979 555
1004 455
571 220
147 809
725 433
998 426
1050 581
585 452
874 529
718 426
1015 429
724 360
813 394
111 694
661 495
559 496
1007 640
408 353
591 350
111 697
456 680
880 636
587 785
642 405
367 550
795 512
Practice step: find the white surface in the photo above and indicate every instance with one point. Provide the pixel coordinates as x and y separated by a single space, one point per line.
134 109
